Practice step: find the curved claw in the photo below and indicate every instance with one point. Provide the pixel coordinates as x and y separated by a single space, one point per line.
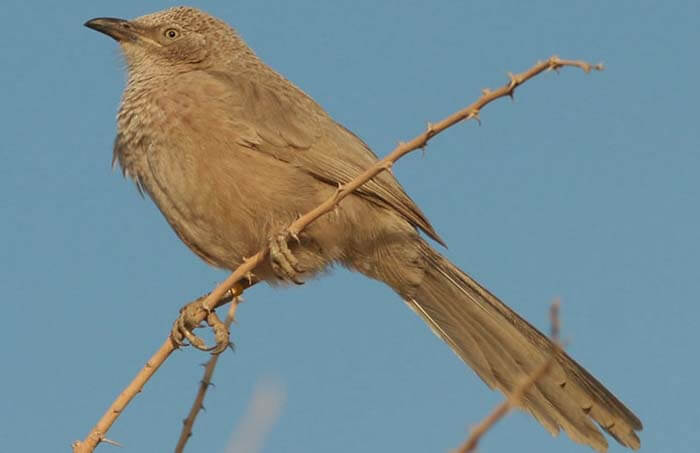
185 324
193 339
180 333
176 336
221 334
284 263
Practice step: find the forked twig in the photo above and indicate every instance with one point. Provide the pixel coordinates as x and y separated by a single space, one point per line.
204 385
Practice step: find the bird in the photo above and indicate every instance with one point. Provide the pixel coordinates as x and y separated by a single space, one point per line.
231 152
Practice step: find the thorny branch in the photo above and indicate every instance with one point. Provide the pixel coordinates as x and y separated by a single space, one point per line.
239 279
204 385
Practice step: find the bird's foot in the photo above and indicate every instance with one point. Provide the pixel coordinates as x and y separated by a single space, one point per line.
183 327
284 264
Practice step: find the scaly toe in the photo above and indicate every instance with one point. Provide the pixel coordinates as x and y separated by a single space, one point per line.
284 264
186 323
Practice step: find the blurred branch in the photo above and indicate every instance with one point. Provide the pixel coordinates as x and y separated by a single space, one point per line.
513 400
263 411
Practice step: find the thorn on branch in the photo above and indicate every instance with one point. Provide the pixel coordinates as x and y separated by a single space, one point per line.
250 277
336 195
515 80
475 116
430 132
295 236
111 442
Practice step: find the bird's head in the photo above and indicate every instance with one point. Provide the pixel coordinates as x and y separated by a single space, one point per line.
177 39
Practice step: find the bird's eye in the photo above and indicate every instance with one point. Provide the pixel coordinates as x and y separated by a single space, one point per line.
171 33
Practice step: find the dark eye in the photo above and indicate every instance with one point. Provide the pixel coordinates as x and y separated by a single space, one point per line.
171 33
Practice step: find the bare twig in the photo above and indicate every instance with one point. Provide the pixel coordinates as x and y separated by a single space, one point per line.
513 400
236 281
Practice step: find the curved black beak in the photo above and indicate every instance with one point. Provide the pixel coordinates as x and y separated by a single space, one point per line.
118 29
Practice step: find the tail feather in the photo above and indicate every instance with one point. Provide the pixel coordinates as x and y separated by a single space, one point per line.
503 348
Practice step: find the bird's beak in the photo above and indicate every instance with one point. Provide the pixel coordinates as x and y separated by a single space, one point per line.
118 29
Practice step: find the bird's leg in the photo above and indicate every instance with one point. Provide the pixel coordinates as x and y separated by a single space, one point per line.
284 263
186 323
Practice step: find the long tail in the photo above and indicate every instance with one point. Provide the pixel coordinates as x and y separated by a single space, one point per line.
503 348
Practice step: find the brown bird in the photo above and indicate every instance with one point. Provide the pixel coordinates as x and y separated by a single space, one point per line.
232 152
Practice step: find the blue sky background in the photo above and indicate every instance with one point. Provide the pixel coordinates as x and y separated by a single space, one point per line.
585 189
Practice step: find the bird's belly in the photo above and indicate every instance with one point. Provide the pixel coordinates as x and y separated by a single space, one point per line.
200 233
204 211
